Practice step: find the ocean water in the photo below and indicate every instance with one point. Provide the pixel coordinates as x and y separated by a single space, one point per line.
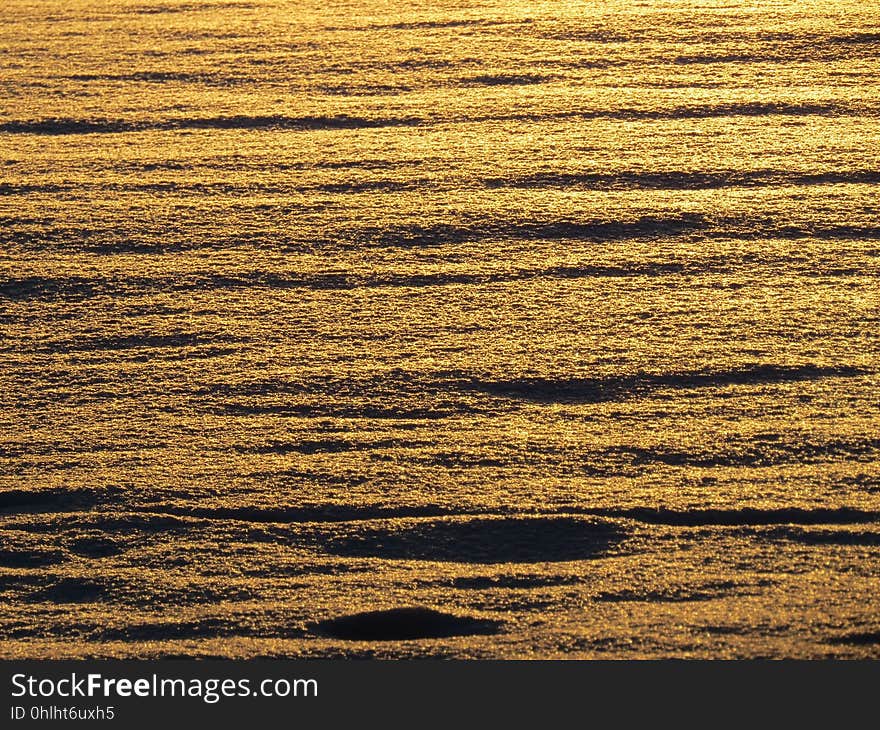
561 318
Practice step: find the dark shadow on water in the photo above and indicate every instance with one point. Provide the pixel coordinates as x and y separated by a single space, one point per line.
18 558
403 623
72 590
601 389
53 499
482 540
857 638
96 545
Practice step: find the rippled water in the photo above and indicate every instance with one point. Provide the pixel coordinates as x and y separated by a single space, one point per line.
558 317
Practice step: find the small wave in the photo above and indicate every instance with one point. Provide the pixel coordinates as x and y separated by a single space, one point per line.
127 523
675 594
828 233
857 38
597 230
162 77
681 180
711 58
439 395
707 111
364 89
734 517
372 186
350 281
28 189
203 628
240 165
291 123
63 126
365 164
314 513
511 582
803 536
505 80
415 412
67 126
592 35
395 381
188 7
76 288
171 344
756 452
329 446
132 342
443 532
429 24
625 180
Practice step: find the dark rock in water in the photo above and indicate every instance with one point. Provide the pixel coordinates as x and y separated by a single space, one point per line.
404 623
484 540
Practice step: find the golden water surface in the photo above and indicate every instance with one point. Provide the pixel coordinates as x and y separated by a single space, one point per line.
560 317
